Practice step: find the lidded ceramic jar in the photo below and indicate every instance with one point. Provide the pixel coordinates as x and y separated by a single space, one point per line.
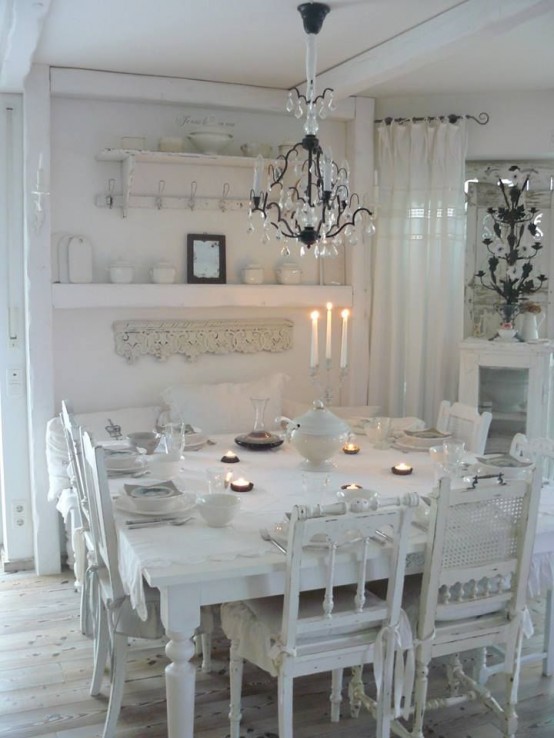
121 272
289 273
317 436
253 274
163 273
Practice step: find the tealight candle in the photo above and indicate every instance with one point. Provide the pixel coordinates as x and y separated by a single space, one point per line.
350 448
229 457
241 485
352 485
402 468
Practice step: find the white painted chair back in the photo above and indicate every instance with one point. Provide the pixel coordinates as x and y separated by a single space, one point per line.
72 435
101 512
478 551
537 450
337 534
466 424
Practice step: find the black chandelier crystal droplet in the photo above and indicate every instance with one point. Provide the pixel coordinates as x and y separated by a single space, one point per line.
308 196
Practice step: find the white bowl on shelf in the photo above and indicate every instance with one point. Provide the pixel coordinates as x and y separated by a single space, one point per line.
210 142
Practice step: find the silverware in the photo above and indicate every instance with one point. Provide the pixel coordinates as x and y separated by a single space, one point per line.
134 525
267 537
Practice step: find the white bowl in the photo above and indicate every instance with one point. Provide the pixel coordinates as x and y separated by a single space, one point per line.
219 508
162 468
124 462
210 142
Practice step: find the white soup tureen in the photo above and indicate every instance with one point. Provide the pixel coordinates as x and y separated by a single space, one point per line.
317 436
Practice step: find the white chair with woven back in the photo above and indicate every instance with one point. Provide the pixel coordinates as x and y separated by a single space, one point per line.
466 424
535 449
326 630
473 592
116 619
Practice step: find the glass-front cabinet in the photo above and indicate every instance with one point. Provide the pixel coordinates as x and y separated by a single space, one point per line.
513 381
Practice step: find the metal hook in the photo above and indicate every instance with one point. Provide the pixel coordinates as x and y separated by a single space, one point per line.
109 196
161 187
193 189
224 195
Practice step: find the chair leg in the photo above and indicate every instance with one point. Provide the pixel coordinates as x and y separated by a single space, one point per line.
101 644
420 697
356 686
119 668
335 697
284 699
548 663
235 683
206 639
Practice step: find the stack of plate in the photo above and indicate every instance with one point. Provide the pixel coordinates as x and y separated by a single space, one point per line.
155 499
421 440
124 463
505 464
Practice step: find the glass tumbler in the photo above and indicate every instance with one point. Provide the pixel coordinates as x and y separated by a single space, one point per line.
452 457
174 439
381 433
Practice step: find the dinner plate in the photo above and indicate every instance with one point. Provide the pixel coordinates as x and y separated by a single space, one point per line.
123 465
247 441
182 505
194 441
152 491
504 461
407 447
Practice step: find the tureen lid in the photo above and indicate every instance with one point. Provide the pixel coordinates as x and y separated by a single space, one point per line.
320 422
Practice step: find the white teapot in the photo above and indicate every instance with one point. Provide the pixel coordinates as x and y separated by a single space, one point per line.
317 436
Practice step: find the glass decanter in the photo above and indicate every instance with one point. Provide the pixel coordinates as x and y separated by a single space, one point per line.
259 432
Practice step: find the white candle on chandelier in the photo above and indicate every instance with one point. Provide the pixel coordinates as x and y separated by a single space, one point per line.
328 333
314 355
344 340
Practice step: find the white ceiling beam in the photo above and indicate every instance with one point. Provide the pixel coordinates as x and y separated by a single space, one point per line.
449 31
141 88
21 23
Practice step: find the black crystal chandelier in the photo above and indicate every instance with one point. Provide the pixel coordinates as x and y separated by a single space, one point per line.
308 196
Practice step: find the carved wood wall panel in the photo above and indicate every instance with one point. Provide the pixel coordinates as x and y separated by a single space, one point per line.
192 338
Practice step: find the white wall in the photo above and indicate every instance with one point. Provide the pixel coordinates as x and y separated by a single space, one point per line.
83 339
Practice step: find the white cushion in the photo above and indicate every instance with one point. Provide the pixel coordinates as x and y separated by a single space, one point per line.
225 407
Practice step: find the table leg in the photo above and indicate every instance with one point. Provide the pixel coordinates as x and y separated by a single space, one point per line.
181 617
548 663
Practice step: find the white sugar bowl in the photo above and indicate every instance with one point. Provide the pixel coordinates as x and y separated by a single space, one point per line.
163 273
289 273
317 436
253 274
121 272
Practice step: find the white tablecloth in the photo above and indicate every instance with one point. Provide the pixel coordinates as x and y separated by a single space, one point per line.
279 483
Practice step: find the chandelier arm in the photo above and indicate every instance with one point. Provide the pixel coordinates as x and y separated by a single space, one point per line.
279 221
352 221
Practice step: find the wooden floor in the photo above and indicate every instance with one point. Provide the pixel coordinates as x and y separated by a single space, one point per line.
45 666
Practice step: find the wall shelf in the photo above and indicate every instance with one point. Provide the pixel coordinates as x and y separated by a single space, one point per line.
76 296
129 159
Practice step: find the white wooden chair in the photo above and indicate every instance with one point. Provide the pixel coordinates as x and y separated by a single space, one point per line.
473 593
466 424
86 563
535 449
116 619
326 630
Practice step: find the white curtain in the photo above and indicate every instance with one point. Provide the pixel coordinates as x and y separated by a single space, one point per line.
418 268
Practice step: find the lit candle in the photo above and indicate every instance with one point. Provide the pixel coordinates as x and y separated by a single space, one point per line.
350 448
258 169
241 485
352 485
229 457
314 356
344 340
328 333
402 469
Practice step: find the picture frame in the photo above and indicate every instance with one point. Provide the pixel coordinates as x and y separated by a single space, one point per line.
206 263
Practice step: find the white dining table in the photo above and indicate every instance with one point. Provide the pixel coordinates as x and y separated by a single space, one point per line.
195 565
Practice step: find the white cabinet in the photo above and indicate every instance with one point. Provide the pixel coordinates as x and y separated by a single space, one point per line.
512 380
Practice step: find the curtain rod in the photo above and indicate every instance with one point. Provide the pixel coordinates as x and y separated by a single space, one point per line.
482 119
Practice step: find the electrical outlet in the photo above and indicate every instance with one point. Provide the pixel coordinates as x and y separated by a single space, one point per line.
19 513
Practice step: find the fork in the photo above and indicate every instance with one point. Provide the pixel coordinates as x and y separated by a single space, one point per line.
267 537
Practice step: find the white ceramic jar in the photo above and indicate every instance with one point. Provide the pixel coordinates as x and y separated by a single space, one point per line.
253 274
289 273
121 272
317 436
163 273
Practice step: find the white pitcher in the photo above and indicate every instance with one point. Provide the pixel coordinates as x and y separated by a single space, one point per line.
530 324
